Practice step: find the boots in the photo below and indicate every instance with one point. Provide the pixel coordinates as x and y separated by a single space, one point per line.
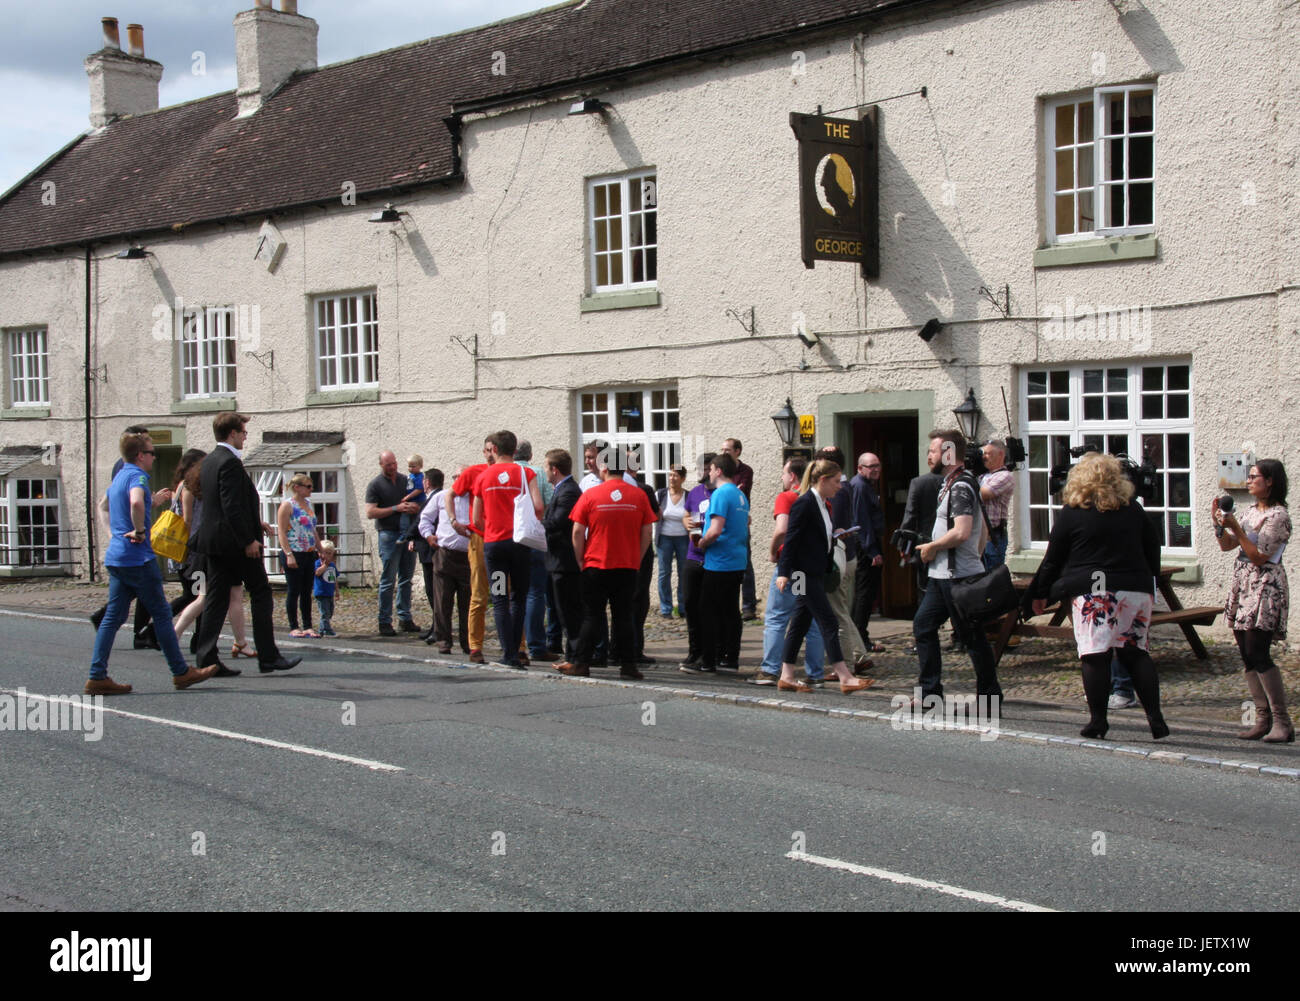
1282 731
1263 715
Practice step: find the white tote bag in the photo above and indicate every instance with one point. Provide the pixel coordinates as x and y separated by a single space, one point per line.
528 528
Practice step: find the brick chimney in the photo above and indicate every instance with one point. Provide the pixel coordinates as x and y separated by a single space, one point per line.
121 83
270 46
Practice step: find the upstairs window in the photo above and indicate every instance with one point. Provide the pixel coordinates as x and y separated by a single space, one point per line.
207 353
28 367
623 214
347 341
1101 163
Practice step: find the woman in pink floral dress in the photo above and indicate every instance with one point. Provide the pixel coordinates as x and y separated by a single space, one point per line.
1103 557
1257 604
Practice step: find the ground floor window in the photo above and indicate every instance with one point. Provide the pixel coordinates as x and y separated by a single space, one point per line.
1143 410
327 502
646 420
29 522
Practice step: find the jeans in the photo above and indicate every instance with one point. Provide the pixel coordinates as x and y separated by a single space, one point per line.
995 553
776 616
325 606
671 548
535 611
508 570
397 566
934 611
1121 682
144 584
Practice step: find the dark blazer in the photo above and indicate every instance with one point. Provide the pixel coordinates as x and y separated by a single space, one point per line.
1122 545
922 504
559 529
231 518
842 517
868 516
807 546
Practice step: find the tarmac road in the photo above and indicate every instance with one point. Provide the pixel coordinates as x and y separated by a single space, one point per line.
469 788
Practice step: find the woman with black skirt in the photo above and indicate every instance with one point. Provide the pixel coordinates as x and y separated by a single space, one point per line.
805 559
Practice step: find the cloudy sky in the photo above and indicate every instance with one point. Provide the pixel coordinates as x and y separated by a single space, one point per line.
46 99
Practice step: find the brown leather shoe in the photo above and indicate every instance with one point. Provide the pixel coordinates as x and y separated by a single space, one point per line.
573 670
631 674
105 686
476 657
547 657
860 685
792 686
194 676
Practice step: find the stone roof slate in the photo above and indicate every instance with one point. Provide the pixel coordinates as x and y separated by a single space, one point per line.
376 121
14 457
281 448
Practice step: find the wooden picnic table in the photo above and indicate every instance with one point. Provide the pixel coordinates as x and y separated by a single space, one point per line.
1060 628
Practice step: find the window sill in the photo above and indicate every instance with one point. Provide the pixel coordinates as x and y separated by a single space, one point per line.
1027 561
12 571
1103 251
335 397
24 413
598 301
211 404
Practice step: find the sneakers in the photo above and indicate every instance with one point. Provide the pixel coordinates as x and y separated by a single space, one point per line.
1121 701
105 686
763 678
697 668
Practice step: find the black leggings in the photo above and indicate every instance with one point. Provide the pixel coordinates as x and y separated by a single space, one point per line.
300 581
1096 679
1254 646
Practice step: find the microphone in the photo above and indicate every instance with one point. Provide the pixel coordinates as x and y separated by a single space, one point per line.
1226 505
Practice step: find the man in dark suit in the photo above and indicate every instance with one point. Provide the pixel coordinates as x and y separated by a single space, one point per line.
230 537
870 519
561 563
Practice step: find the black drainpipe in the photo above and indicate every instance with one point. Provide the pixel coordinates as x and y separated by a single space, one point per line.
90 493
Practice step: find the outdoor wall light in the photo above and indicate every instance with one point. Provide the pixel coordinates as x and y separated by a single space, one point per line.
787 423
132 253
587 106
387 214
968 416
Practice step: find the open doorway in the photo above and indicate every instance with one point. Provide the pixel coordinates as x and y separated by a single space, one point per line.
893 437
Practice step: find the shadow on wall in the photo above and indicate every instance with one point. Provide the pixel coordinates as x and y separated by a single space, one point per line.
922 265
1149 39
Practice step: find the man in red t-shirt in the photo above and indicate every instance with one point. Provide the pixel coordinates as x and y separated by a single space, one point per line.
611 532
508 563
478 579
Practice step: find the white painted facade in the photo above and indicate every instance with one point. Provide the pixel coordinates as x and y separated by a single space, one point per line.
502 260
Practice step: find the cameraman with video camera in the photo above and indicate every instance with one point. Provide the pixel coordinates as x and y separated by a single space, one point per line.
996 487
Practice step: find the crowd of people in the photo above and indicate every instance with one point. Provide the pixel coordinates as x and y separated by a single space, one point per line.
567 565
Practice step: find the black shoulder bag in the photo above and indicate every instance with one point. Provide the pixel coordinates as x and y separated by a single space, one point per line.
985 596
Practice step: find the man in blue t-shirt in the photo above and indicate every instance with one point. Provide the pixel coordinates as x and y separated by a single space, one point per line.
133 572
725 544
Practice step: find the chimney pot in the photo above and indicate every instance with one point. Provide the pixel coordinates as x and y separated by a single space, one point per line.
266 4
289 6
135 40
111 40
270 47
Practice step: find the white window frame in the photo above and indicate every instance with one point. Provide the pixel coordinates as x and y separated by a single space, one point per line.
1101 187
208 352
27 366
1132 429
642 188
271 493
658 449
11 550
346 350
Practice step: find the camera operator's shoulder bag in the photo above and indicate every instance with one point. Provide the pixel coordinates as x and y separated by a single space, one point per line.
981 597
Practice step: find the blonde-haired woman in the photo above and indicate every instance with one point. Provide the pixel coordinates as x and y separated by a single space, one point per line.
1103 557
299 539
805 558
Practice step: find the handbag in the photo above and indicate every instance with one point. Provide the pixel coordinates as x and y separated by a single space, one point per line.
984 597
528 527
170 536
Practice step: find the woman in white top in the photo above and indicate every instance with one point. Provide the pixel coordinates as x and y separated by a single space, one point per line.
671 540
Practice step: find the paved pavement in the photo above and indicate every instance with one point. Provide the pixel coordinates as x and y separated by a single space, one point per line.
369 780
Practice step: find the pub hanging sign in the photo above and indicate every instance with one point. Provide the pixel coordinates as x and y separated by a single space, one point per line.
839 189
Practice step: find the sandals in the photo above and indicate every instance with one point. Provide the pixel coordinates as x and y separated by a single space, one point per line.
297 633
310 634
242 650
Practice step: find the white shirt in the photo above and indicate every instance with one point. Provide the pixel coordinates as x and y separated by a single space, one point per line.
448 537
